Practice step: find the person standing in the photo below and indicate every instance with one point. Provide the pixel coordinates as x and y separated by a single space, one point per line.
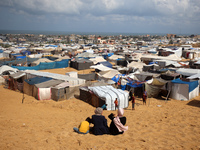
130 95
116 103
144 97
133 102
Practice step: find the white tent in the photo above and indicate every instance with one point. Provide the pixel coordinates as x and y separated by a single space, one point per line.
108 74
109 93
138 65
188 71
115 57
7 68
155 57
85 54
101 67
97 59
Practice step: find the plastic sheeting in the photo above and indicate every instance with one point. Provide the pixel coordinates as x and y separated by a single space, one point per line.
72 81
101 67
108 74
192 84
7 68
109 94
46 65
182 90
106 63
44 93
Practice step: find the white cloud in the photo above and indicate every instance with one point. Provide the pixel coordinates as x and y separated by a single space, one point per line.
162 12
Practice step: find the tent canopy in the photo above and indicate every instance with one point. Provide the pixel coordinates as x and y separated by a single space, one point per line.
109 94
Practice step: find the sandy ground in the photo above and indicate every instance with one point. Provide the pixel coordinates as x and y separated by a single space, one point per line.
41 125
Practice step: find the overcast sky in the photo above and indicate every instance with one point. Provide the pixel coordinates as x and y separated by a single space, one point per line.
125 16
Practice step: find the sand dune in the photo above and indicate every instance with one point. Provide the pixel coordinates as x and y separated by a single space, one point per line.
49 125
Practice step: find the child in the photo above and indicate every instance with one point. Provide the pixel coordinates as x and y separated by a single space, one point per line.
144 97
83 127
104 106
116 103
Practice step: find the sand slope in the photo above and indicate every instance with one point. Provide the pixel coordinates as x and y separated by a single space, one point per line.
49 125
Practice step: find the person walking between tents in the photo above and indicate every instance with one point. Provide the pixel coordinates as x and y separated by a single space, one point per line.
133 102
116 103
144 97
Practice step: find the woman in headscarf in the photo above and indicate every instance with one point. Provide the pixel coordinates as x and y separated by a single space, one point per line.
118 122
100 122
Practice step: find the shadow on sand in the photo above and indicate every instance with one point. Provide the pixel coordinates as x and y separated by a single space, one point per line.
194 102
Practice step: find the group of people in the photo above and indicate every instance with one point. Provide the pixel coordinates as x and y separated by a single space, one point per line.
132 98
117 125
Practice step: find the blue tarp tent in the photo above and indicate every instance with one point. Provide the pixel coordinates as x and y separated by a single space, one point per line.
28 84
25 52
46 65
37 80
107 55
116 78
135 84
184 90
192 84
17 56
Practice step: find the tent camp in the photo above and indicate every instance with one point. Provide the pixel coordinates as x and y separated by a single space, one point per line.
184 90
105 95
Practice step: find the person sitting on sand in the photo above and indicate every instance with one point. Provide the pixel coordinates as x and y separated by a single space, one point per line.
83 127
100 122
118 122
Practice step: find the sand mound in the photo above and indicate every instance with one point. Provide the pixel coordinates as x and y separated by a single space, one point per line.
49 124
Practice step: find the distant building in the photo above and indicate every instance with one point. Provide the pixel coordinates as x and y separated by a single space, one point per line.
91 37
89 41
72 38
169 36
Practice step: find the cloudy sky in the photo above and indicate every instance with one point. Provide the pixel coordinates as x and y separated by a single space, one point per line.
125 16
